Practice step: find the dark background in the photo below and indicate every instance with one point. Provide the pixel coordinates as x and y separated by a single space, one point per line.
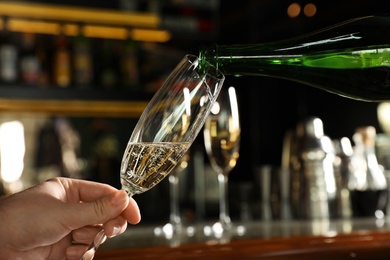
271 106
268 106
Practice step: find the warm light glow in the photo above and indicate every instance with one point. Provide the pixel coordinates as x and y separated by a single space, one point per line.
383 112
20 25
328 147
75 108
150 35
310 9
346 146
216 108
70 29
97 23
293 10
93 31
105 32
183 164
78 14
187 101
318 128
234 108
12 149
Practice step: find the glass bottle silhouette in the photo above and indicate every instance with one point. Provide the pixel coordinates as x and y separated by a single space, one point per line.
351 59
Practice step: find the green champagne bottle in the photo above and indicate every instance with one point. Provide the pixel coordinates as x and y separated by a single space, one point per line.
351 59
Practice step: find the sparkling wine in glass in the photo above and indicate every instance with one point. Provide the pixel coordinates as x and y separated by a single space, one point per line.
167 128
222 141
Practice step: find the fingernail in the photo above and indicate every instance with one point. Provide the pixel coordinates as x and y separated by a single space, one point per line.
116 231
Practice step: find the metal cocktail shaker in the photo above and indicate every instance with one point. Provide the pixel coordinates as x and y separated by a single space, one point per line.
313 187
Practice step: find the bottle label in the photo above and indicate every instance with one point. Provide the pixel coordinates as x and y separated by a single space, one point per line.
30 69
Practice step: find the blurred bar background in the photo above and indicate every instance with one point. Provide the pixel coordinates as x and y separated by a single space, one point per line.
76 75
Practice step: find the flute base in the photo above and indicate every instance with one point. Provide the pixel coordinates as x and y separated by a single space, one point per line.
223 231
175 233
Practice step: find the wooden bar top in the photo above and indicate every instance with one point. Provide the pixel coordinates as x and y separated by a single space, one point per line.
351 239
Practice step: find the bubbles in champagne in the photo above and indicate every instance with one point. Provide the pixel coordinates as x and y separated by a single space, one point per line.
146 164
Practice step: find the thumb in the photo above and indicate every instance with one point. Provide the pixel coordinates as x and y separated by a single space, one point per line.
100 211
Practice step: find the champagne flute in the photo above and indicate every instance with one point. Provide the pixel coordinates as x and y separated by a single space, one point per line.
167 128
174 226
222 141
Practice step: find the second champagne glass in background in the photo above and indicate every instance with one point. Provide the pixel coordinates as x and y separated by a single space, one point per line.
222 134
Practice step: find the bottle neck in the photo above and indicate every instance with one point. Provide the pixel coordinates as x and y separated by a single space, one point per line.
355 53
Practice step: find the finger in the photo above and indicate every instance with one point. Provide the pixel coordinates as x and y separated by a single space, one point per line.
96 212
57 249
76 252
85 235
82 190
132 213
115 227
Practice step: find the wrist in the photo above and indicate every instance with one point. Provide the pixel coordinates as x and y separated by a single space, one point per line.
5 253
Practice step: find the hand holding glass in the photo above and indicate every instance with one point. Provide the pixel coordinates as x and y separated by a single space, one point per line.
167 128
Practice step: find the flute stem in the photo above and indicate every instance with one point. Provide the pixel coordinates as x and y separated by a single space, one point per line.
99 239
174 217
223 200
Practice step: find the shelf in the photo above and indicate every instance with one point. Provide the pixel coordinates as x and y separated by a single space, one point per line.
76 108
46 18
70 93
73 102
78 14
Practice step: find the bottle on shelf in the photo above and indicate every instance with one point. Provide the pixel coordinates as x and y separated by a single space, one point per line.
8 58
367 183
83 71
29 65
108 72
62 75
130 66
351 59
43 59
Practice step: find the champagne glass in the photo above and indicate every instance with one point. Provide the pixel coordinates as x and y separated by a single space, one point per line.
174 227
222 141
167 128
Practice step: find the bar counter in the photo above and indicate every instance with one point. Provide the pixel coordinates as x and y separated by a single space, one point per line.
333 239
